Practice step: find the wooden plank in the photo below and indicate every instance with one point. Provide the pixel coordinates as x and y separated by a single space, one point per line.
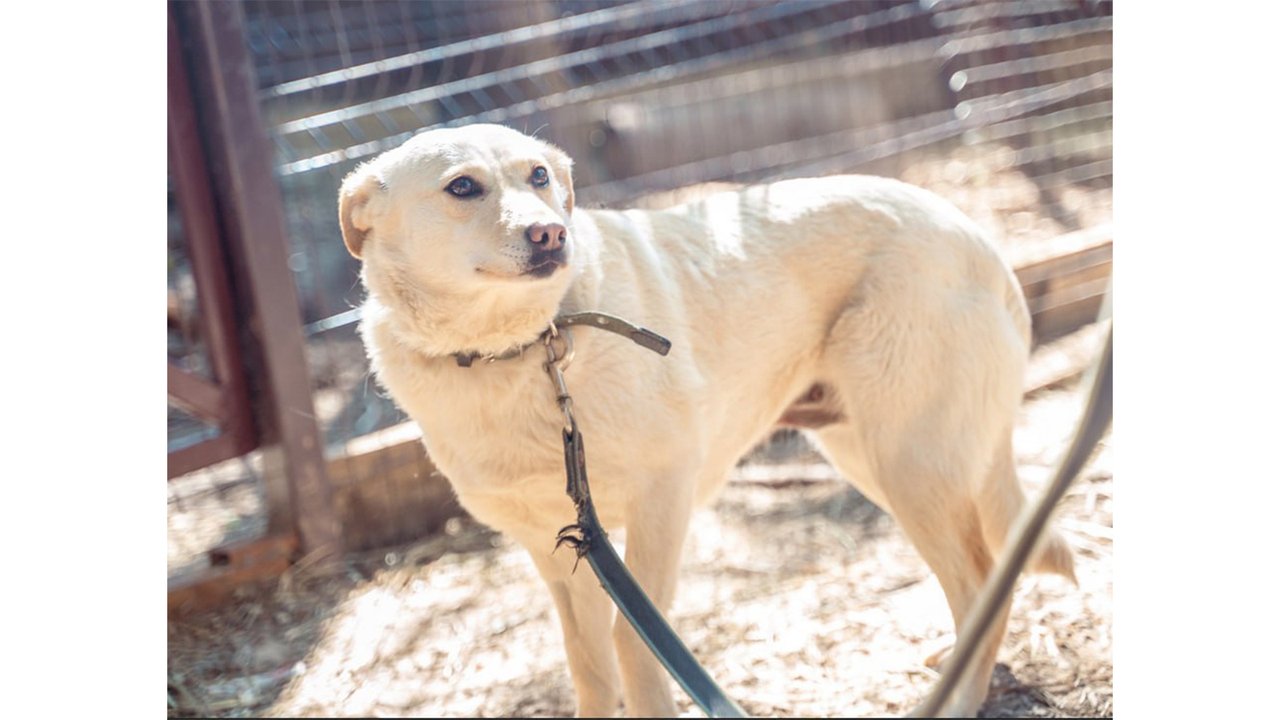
224 400
389 491
230 567
1034 276
207 452
1068 309
197 395
1025 256
1064 290
194 195
1065 281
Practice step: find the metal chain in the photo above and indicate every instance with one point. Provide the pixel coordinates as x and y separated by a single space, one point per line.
557 363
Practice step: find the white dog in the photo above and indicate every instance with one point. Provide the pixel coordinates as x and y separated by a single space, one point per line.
869 312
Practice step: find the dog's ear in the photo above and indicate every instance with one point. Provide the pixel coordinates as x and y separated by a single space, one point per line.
357 201
562 168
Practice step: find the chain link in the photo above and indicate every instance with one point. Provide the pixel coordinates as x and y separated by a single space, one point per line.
557 363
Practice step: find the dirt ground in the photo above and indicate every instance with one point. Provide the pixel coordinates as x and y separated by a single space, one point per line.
799 596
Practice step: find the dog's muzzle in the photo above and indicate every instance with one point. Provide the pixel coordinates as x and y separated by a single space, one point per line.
543 263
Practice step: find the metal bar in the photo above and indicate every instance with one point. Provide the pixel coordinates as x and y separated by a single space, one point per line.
1096 170
560 62
1049 122
342 319
1026 36
256 225
576 95
550 28
1003 10
1064 147
1037 64
1034 98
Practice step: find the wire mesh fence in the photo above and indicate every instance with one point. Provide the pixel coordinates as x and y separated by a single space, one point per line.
1003 107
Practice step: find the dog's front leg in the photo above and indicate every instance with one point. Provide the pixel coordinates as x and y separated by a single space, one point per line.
656 526
585 613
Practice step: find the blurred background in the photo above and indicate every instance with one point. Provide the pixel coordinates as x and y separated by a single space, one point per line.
281 448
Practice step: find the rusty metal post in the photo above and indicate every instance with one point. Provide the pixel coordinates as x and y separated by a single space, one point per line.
253 216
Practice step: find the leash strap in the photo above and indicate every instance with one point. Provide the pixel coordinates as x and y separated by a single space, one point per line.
645 338
588 538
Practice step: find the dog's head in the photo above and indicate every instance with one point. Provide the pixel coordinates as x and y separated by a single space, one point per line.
460 219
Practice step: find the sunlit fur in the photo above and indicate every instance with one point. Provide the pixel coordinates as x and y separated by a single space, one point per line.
883 292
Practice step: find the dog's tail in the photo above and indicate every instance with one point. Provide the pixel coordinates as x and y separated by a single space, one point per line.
1054 556
1002 503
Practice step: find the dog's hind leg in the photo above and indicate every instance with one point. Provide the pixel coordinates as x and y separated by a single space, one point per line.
942 521
929 394
949 537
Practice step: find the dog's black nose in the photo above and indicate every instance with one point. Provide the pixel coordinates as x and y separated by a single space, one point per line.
550 236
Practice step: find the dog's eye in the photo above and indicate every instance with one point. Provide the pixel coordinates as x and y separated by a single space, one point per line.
464 187
539 177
